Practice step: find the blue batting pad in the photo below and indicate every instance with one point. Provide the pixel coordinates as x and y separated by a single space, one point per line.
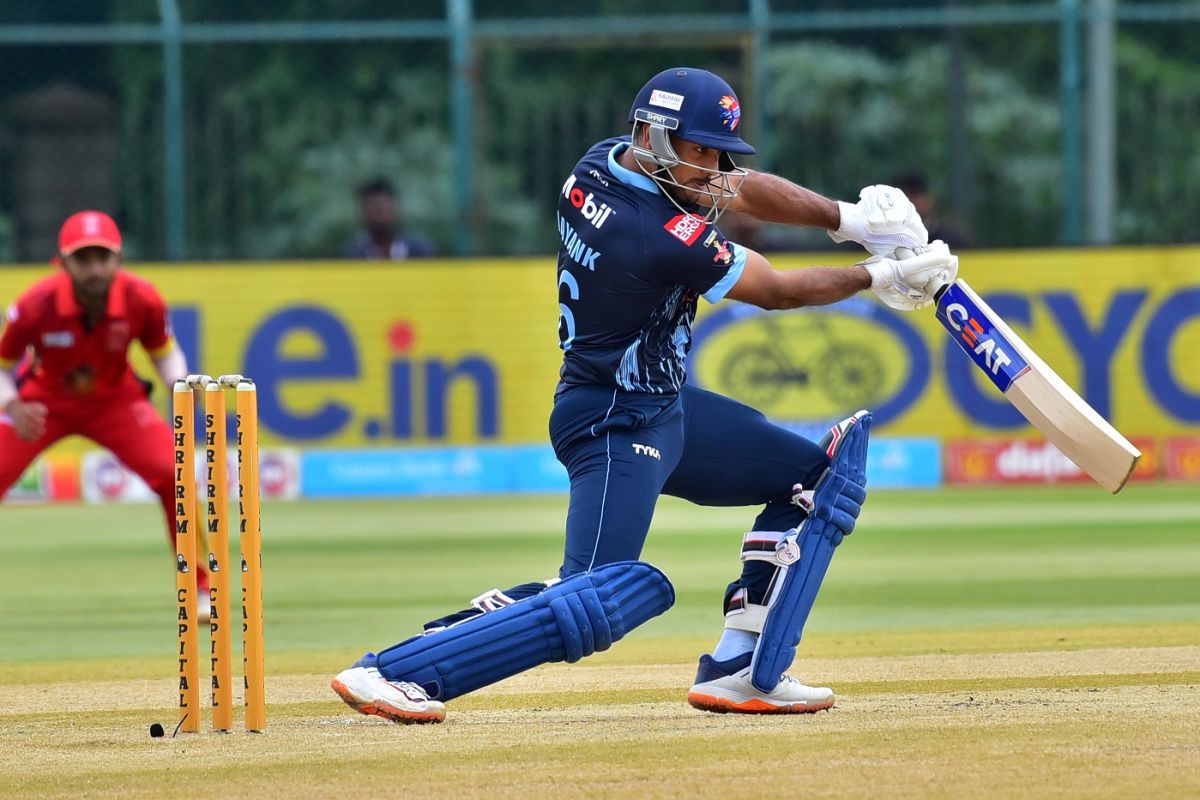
837 503
572 619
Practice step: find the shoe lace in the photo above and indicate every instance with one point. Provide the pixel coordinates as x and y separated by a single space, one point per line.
407 686
410 690
403 686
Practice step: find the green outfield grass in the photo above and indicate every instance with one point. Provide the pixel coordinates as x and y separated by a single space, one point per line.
946 622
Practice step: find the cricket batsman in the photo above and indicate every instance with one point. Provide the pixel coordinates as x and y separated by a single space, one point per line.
640 246
64 368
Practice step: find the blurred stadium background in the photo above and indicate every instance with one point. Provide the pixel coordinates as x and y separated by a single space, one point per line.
1022 641
1060 139
219 129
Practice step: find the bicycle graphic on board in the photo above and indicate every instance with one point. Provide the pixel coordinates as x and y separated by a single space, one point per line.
758 373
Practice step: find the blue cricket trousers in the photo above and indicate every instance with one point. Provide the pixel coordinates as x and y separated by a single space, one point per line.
623 449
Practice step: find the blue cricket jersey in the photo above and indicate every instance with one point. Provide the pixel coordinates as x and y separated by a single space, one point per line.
630 269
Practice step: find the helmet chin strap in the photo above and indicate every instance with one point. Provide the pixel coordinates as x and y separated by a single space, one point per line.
658 161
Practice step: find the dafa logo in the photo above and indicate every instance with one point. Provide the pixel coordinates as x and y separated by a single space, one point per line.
809 367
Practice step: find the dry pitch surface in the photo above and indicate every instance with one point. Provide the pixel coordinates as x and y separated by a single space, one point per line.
1036 713
1040 643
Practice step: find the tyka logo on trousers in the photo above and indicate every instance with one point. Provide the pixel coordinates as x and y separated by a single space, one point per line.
647 450
593 212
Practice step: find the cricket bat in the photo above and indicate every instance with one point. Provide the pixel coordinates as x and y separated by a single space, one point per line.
1036 390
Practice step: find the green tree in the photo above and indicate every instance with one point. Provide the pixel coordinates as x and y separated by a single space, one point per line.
842 117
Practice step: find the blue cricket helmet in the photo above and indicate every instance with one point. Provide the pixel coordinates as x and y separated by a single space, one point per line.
694 105
701 108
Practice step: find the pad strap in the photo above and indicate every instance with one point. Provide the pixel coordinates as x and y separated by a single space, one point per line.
775 547
750 617
491 600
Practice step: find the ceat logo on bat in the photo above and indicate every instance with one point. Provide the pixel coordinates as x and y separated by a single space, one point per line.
685 227
980 339
731 112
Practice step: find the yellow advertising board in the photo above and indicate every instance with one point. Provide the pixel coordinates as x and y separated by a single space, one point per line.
362 354
1122 326
353 354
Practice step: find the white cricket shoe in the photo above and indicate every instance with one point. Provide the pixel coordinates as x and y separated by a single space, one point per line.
725 687
366 690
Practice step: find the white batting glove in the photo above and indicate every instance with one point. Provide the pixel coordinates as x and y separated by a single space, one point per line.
910 283
882 220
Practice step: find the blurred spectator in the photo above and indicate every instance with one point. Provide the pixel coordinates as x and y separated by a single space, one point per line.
917 188
382 235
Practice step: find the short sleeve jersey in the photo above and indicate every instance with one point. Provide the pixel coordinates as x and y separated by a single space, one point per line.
630 269
64 358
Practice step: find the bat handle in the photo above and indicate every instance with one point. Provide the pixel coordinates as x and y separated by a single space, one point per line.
937 296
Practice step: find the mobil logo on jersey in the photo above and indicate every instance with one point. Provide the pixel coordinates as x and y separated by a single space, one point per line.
809 367
591 209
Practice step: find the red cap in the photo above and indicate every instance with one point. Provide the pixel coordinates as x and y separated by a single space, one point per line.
88 229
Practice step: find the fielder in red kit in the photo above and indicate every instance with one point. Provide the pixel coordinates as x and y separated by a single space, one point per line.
64 365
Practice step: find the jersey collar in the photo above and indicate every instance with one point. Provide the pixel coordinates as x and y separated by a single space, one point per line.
67 306
634 179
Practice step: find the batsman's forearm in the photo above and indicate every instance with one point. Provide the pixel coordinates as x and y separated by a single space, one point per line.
820 286
771 198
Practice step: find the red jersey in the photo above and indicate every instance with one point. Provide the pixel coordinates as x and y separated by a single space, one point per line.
71 361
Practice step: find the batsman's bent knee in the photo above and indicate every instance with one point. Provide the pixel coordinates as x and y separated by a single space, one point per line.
801 556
